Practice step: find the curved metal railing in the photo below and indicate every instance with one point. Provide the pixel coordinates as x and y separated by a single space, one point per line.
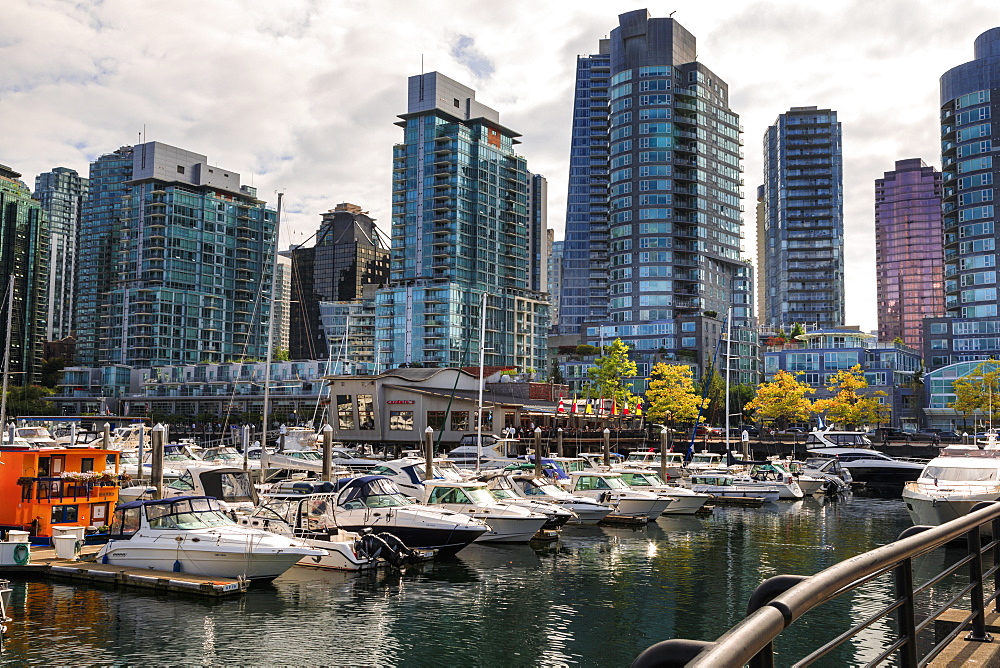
781 600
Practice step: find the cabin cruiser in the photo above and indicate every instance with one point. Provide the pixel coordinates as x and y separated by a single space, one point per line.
724 483
408 473
610 488
227 456
651 460
952 483
586 511
508 523
595 460
495 452
773 473
836 478
375 503
683 501
38 437
192 534
705 461
308 512
856 454
503 490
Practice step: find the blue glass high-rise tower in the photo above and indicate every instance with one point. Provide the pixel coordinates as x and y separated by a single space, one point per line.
653 227
803 259
462 226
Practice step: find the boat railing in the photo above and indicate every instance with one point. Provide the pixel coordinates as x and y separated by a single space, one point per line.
781 600
58 488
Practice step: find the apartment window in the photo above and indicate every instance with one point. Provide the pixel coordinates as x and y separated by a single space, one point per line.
180 169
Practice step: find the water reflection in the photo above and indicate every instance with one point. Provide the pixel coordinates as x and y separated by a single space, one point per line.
596 597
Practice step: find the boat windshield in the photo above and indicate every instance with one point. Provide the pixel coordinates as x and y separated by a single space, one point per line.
642 457
588 482
503 494
187 514
538 489
223 454
645 480
706 458
960 474
33 432
378 493
305 455
473 495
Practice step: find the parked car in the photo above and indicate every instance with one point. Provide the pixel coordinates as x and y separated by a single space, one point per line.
793 430
705 430
942 436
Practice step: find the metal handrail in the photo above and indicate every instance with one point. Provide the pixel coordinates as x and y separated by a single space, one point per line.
783 599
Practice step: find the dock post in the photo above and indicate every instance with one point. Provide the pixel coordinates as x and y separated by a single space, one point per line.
428 453
607 447
140 469
559 437
327 452
157 473
664 434
538 452
106 436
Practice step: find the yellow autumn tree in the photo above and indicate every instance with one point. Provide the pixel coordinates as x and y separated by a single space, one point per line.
848 407
979 392
783 399
671 396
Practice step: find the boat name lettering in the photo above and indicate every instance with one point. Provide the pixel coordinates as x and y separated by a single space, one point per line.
400 401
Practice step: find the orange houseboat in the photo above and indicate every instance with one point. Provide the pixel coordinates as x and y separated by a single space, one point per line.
48 487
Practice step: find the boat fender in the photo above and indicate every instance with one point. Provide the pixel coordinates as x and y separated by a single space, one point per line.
22 555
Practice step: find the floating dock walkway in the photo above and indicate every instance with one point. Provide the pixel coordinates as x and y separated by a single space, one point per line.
44 563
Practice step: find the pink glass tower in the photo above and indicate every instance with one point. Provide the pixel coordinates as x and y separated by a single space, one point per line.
908 250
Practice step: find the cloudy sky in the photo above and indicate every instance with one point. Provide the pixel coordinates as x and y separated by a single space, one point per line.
301 95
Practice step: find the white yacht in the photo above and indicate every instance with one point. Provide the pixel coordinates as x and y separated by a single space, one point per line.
508 523
856 454
724 483
495 452
610 488
775 474
192 534
651 460
587 511
705 461
952 483
408 474
503 489
683 500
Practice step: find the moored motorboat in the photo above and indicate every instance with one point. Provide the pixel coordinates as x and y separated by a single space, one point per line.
587 511
952 483
503 489
683 501
610 488
508 523
192 534
856 454
723 483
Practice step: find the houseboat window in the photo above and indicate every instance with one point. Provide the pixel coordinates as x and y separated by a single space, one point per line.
43 467
400 420
110 461
459 420
345 411
61 514
435 420
86 464
366 412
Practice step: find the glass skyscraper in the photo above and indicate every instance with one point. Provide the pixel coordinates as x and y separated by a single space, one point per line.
969 93
178 262
908 251
803 259
653 227
462 226
24 259
62 193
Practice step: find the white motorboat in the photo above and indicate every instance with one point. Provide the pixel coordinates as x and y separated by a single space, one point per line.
308 512
683 500
596 460
503 489
408 473
775 474
705 461
587 511
856 454
651 460
508 523
724 483
836 479
192 534
610 488
375 503
952 483
227 456
495 452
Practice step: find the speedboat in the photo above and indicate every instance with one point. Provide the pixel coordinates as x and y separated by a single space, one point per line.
495 452
192 534
610 488
374 503
408 473
856 454
724 483
952 483
308 512
508 523
683 501
651 460
226 456
587 511
503 489
705 461
775 474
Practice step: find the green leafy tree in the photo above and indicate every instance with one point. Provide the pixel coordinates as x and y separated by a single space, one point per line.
797 329
978 392
280 355
781 400
715 412
52 369
848 407
739 396
556 375
607 373
31 400
672 397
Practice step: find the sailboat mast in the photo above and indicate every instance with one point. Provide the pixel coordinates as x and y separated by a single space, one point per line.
270 330
6 355
482 359
729 337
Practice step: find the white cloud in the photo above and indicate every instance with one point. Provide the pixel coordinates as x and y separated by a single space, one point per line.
302 95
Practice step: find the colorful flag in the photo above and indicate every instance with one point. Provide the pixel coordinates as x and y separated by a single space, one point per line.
575 409
638 406
614 406
562 405
625 407
589 408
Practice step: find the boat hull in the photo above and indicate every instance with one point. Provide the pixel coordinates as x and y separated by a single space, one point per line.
769 495
213 561
929 507
446 540
688 504
510 529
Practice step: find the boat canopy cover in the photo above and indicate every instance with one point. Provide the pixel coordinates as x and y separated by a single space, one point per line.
153 502
364 487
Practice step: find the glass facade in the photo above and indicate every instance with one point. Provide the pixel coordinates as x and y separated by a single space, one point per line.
461 227
188 262
969 94
803 250
908 250
24 258
654 224
62 193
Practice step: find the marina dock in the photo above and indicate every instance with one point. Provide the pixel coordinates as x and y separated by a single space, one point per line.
44 563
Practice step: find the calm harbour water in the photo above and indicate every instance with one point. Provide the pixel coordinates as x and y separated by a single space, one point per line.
597 597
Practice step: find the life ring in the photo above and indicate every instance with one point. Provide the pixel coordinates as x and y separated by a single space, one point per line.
22 555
